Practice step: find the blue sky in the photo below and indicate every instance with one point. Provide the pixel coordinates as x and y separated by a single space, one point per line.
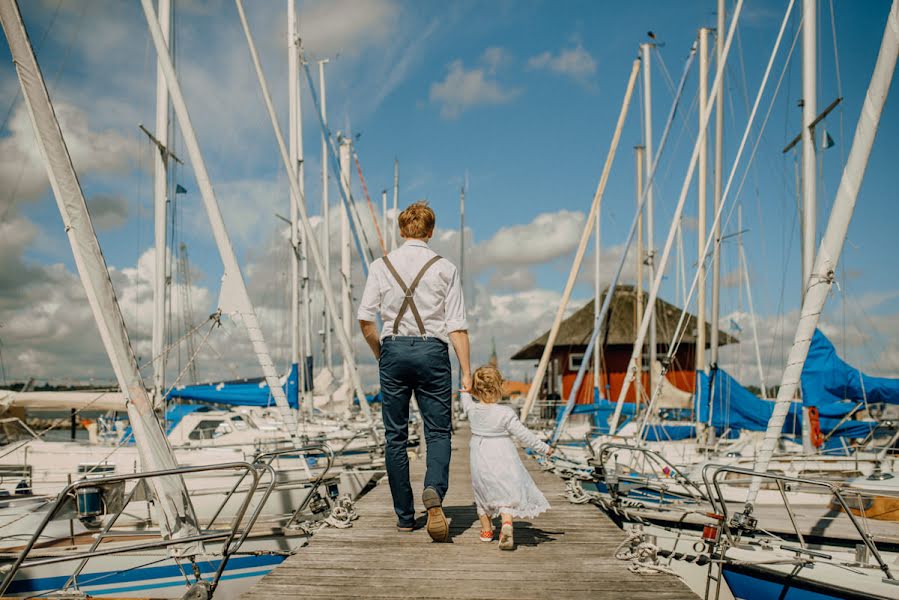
522 97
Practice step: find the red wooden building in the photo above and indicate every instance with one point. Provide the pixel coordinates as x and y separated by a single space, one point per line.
617 346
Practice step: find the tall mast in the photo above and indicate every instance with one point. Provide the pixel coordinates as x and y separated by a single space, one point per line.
234 298
646 51
160 204
345 250
292 119
638 305
396 197
809 112
302 328
701 184
327 325
719 178
176 515
809 171
597 300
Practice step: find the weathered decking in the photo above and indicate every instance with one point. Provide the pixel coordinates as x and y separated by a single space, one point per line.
564 553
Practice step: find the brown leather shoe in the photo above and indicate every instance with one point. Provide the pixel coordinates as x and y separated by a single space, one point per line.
438 528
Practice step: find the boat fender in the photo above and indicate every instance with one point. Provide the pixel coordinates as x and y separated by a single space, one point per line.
815 434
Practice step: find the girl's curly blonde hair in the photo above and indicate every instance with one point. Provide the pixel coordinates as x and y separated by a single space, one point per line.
487 384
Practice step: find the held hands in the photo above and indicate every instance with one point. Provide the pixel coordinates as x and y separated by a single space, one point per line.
466 382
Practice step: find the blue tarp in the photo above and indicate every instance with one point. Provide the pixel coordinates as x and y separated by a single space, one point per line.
738 408
173 416
242 393
826 379
601 409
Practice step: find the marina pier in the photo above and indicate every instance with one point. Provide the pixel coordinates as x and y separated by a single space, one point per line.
567 552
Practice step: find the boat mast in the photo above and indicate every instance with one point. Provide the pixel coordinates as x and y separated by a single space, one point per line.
597 300
346 287
823 272
327 323
638 300
719 178
160 204
809 112
646 51
396 197
305 384
234 298
176 515
701 185
809 170
292 119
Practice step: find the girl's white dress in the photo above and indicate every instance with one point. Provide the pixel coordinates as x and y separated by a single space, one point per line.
500 482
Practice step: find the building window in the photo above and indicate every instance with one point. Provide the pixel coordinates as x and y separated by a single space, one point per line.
575 360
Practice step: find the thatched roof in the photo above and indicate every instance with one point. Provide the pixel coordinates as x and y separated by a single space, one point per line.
622 325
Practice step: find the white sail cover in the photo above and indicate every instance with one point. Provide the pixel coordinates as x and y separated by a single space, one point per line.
819 284
62 400
176 514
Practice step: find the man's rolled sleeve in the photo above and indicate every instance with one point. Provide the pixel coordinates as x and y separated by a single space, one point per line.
371 297
455 305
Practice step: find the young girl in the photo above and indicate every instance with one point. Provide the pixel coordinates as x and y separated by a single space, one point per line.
501 484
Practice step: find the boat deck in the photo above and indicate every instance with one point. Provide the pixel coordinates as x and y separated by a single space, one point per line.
564 553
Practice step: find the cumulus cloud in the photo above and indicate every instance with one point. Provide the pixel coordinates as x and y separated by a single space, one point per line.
22 172
575 63
463 88
515 280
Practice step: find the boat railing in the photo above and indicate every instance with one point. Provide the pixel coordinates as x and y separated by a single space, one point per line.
733 524
70 494
660 466
266 459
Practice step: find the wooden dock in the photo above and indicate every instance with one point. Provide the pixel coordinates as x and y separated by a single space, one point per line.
565 553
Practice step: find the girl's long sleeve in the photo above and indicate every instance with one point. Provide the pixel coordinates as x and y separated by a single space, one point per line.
525 436
467 402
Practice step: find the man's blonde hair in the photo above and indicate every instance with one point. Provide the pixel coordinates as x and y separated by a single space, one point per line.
487 384
417 221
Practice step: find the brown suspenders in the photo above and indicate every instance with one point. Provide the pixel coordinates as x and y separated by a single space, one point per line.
408 302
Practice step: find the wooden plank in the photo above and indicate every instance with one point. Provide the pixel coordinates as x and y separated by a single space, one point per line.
564 553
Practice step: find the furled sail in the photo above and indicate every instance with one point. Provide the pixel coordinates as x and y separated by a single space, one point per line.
826 378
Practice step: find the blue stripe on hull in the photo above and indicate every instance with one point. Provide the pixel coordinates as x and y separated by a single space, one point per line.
749 586
263 564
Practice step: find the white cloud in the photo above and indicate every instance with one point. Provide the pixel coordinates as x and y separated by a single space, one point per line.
547 237
22 171
573 62
463 88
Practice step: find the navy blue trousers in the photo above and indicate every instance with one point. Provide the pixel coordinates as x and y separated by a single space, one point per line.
419 365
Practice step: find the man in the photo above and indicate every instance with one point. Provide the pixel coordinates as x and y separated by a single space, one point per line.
419 296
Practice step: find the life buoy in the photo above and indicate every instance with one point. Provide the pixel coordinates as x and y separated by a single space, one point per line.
815 427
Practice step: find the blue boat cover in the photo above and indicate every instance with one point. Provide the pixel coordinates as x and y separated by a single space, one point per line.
826 378
601 409
241 393
737 408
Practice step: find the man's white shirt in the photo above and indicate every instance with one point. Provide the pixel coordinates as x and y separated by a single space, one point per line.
438 296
